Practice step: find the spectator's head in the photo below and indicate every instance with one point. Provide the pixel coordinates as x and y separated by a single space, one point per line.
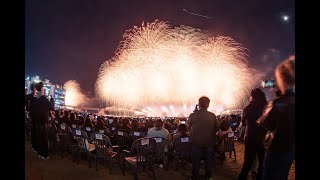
204 102
115 120
158 124
224 126
285 74
56 112
100 118
176 121
258 96
134 124
61 113
66 113
183 129
80 118
40 87
33 88
72 116
125 122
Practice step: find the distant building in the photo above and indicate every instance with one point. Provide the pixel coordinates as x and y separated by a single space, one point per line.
59 96
55 90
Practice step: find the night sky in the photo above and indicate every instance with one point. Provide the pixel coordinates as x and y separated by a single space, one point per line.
70 39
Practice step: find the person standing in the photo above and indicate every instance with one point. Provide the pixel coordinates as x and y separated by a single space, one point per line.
43 107
52 101
30 99
278 125
203 126
253 147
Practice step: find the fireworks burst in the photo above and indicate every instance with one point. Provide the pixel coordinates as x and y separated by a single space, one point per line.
157 65
74 96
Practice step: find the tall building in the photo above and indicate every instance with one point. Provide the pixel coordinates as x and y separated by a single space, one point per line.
47 88
59 96
56 91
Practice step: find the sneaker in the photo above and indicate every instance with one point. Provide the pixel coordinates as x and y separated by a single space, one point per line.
160 165
209 178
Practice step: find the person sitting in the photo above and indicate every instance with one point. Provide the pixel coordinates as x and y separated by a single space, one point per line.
135 125
101 124
125 126
224 129
73 118
89 122
80 120
159 131
174 126
66 118
182 132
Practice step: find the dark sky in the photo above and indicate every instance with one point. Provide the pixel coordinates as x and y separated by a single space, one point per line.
69 39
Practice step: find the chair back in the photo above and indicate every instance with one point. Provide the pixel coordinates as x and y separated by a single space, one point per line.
228 142
102 144
182 148
136 135
81 136
161 147
122 139
65 133
102 131
75 126
88 130
52 130
113 130
143 149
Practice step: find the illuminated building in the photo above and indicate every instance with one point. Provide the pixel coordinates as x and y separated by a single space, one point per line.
56 91
59 96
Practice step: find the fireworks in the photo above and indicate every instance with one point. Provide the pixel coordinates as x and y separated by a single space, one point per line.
168 68
74 97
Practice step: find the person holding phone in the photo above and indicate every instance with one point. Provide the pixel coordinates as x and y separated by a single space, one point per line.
204 126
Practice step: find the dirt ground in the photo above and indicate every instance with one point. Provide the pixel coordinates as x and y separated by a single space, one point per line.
58 168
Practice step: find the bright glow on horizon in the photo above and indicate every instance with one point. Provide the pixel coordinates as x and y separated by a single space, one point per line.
73 96
160 66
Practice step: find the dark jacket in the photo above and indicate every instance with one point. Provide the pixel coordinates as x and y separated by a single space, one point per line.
52 101
30 98
280 116
204 126
41 109
250 115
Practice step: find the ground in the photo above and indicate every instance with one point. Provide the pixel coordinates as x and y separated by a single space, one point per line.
58 168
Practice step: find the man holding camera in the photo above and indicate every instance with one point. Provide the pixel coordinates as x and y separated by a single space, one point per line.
203 126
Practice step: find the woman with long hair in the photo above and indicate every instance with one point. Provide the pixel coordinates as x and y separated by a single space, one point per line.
253 147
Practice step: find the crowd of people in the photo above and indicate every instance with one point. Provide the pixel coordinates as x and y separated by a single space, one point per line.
267 128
